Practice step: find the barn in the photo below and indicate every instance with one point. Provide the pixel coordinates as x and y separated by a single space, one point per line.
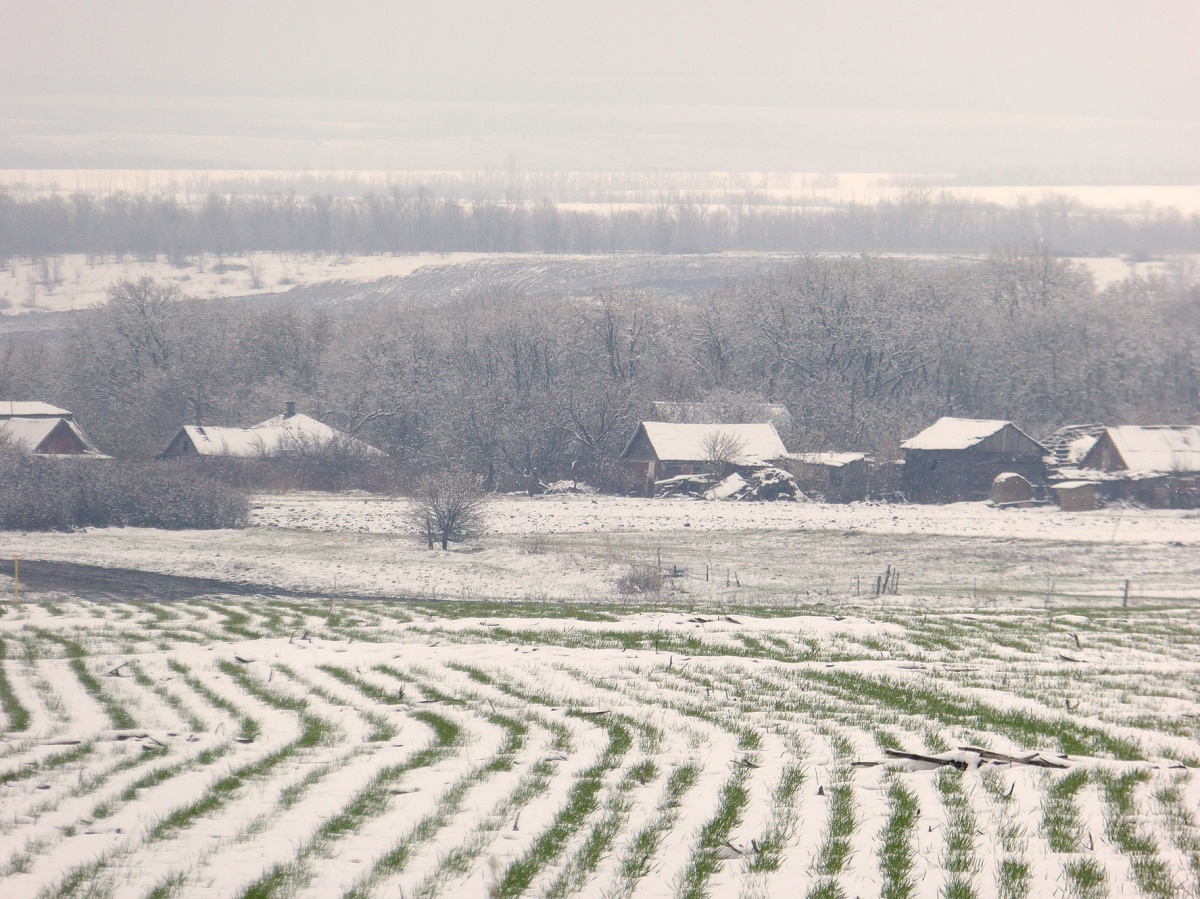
834 477
661 449
45 430
1157 465
957 459
291 433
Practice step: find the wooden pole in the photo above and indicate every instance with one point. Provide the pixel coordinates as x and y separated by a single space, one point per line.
1125 598
17 578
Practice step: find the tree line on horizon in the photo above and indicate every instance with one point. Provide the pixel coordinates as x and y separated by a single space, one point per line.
405 221
863 351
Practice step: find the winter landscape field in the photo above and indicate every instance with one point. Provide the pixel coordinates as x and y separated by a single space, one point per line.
607 697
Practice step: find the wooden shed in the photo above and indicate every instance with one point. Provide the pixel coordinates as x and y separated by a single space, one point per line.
957 459
832 477
1075 496
1157 465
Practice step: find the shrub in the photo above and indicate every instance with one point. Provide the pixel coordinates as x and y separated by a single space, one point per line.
640 579
51 494
448 506
330 468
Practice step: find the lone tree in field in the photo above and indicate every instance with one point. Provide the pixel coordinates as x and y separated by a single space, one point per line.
722 449
449 506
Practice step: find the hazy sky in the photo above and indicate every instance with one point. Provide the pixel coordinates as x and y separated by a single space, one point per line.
1010 61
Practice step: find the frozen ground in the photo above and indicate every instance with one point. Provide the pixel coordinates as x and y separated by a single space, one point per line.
577 548
518 727
240 747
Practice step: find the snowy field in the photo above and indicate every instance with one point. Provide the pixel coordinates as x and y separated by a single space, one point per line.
575 548
75 281
519 726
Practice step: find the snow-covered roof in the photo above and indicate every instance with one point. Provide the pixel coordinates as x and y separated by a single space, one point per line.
693 442
1073 485
1070 443
275 436
1098 475
24 409
832 460
1165 448
955 433
28 433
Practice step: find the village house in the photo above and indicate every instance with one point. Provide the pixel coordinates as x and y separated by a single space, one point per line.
291 433
45 430
660 449
958 459
1158 466
832 477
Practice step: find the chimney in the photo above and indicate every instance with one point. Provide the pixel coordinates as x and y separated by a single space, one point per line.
291 410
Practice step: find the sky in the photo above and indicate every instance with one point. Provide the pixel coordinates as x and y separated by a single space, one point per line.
1058 84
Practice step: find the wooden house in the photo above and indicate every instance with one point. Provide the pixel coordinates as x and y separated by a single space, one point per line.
957 459
660 449
832 477
1158 465
45 430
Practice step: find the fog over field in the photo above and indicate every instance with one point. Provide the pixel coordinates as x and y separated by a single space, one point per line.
1023 91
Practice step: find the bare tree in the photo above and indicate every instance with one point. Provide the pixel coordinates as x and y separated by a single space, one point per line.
722 450
449 506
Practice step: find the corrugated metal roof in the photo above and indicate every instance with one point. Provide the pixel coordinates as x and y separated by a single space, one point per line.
1165 448
273 437
955 434
692 442
23 409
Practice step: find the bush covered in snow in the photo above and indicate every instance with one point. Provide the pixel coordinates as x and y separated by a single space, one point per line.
48 494
329 469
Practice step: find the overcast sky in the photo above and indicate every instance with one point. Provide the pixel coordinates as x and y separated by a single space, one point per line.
1022 59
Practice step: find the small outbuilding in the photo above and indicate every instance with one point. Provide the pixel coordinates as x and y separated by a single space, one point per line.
957 459
1075 496
832 477
660 449
45 430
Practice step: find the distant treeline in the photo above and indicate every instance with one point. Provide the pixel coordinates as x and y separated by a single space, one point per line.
862 351
412 221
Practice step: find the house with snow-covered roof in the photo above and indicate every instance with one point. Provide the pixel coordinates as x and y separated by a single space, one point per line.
663 449
291 433
1158 465
44 430
957 459
1158 448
